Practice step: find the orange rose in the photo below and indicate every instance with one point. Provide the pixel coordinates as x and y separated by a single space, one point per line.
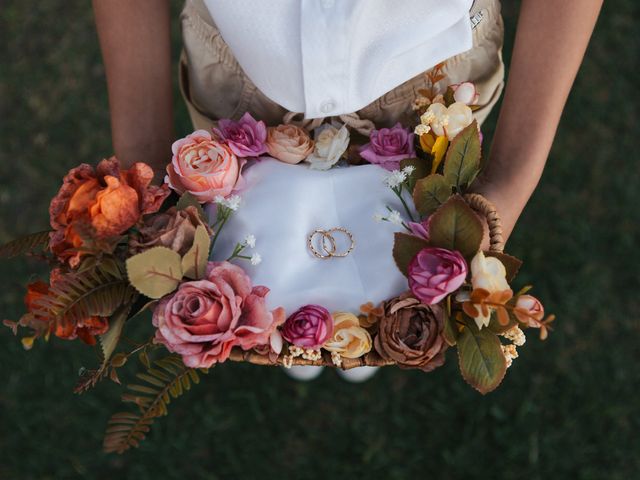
203 167
100 203
289 143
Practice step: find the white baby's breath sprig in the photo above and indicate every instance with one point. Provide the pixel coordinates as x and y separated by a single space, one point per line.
394 217
226 207
408 170
250 241
256 259
397 181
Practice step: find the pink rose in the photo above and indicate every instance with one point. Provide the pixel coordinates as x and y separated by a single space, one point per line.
528 310
436 272
204 319
245 138
203 167
466 93
308 327
388 146
289 143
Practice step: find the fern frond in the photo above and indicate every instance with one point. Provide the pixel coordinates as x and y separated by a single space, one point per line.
25 244
98 291
166 380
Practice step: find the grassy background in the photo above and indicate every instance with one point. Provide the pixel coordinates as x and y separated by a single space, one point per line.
567 409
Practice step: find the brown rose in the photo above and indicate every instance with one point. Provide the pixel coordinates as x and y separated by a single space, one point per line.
174 229
410 333
288 143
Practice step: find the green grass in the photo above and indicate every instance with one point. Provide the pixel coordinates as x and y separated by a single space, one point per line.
568 408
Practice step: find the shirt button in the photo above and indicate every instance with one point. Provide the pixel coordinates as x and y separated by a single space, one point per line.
327 3
328 106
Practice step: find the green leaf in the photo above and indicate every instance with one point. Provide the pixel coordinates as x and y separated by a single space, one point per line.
25 244
189 200
169 379
455 226
448 97
96 291
429 193
155 272
462 162
482 362
450 332
194 262
109 341
421 170
511 264
405 247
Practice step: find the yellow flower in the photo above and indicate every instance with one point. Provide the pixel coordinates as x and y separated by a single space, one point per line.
349 339
435 146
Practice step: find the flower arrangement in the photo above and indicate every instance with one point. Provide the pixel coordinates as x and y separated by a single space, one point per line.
119 246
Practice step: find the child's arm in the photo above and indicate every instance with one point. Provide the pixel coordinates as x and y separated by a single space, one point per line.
135 42
551 39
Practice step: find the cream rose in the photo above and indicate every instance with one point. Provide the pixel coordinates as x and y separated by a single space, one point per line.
289 143
487 273
349 339
331 143
447 121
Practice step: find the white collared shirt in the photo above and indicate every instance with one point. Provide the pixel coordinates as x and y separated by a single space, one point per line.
329 57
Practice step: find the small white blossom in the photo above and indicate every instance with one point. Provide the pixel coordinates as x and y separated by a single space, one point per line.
408 170
256 259
427 117
250 241
395 179
516 335
510 353
378 218
395 218
232 202
422 129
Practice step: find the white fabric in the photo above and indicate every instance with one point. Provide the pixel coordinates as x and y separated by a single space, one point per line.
329 57
283 203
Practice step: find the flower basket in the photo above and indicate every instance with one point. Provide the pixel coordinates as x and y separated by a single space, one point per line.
120 246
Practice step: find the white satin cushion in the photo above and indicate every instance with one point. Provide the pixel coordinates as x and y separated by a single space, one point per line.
282 204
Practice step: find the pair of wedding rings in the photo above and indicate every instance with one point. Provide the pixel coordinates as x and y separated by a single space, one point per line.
323 244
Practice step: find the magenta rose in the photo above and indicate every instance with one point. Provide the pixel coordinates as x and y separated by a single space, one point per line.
308 327
204 319
388 146
246 138
436 272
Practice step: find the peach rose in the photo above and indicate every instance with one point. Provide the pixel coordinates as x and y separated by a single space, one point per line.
203 167
289 143
529 310
100 203
349 339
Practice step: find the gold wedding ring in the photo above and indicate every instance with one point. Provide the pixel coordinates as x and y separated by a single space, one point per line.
323 244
